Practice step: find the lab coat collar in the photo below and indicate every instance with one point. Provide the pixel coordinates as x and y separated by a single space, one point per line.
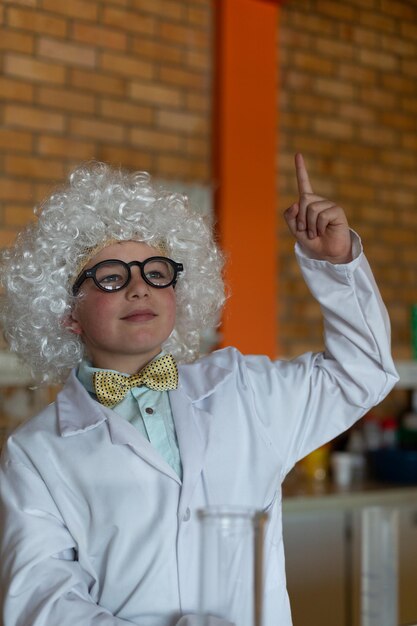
78 412
200 379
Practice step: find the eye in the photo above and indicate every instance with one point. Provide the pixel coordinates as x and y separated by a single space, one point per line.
158 272
111 278
111 275
154 274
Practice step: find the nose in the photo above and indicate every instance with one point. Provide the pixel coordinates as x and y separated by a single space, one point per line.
137 287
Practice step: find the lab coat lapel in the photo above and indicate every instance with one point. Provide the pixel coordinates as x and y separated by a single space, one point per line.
197 381
192 427
192 423
79 413
123 433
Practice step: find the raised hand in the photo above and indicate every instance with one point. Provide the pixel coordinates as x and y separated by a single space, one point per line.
318 224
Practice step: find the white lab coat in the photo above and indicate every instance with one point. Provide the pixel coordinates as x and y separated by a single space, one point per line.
97 529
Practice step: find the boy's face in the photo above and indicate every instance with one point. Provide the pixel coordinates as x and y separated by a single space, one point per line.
125 329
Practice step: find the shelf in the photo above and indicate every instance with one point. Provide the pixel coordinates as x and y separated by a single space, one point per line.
407 371
12 371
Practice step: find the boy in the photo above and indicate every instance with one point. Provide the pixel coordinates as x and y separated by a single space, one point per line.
99 492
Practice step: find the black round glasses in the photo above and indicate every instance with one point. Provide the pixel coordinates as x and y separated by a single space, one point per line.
113 274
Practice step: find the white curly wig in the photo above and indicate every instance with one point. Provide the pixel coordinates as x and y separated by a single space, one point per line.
101 204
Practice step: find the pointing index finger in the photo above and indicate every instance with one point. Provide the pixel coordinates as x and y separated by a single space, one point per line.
303 181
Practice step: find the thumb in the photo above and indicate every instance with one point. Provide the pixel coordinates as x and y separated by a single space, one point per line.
290 216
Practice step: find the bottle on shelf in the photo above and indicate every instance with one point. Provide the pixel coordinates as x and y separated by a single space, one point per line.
389 432
407 434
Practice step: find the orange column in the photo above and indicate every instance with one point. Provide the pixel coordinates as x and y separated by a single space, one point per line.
246 105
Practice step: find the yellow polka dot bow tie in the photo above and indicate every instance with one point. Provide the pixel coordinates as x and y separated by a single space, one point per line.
159 375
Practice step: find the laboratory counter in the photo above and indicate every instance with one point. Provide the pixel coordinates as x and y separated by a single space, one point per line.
323 538
301 494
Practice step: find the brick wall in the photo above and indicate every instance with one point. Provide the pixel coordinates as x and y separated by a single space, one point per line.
126 81
349 103
129 81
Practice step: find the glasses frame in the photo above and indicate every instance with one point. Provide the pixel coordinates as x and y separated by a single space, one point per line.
91 273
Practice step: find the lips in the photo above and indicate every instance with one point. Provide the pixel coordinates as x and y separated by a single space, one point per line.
142 315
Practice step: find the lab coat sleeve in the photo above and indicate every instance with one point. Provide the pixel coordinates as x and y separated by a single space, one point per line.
42 583
307 401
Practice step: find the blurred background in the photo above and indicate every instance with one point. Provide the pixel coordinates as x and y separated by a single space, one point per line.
214 97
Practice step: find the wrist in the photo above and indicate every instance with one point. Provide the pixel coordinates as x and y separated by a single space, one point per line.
340 260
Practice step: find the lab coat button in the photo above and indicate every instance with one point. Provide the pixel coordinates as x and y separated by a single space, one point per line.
187 515
149 410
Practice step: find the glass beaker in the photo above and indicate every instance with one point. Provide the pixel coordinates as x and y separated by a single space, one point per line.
379 567
231 564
